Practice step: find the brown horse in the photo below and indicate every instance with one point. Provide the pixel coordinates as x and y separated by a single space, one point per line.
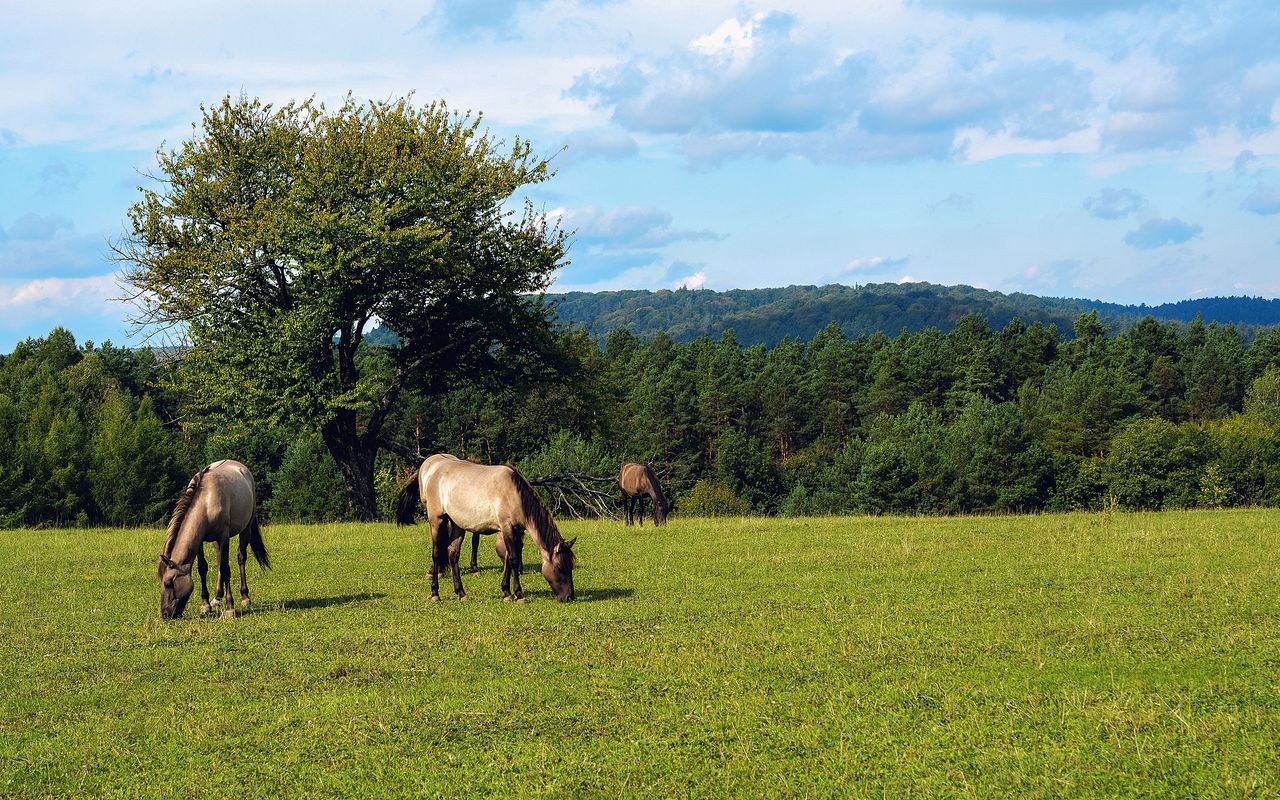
217 505
461 496
638 482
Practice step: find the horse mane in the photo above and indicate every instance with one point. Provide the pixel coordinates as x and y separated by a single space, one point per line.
180 510
533 509
655 485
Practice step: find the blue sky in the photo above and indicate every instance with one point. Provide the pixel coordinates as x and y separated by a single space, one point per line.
1126 151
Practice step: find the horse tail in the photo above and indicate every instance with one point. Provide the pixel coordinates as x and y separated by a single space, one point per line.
253 535
408 501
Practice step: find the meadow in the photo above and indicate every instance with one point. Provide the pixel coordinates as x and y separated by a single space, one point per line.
1061 655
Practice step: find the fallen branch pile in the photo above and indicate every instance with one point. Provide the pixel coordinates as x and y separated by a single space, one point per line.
579 495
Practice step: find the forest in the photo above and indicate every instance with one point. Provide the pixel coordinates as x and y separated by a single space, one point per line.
1020 418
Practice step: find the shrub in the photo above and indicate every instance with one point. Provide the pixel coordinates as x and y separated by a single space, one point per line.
308 486
712 499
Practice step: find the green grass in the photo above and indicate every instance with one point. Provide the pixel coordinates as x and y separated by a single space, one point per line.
1112 654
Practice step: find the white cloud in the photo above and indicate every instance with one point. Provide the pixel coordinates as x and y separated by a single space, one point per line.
625 228
79 294
874 264
695 281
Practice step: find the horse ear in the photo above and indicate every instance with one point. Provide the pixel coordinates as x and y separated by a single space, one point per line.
569 544
159 567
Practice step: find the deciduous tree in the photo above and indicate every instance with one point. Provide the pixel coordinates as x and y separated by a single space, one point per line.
277 236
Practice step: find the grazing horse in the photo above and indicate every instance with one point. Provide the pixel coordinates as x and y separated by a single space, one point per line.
217 505
460 496
638 482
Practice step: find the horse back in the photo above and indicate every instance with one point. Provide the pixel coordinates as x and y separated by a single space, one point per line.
476 497
635 479
227 499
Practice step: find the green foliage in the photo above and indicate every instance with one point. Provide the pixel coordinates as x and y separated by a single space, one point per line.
767 316
711 499
1215 491
278 235
568 452
307 486
75 445
1263 398
1143 467
1248 457
968 421
134 462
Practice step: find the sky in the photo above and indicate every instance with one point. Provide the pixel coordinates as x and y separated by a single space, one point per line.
1120 150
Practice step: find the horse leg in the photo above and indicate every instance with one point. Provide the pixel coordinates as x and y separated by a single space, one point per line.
475 553
626 507
456 537
504 551
224 577
244 578
203 566
515 556
640 509
439 554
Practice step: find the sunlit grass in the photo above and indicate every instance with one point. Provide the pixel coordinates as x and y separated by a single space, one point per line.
1108 654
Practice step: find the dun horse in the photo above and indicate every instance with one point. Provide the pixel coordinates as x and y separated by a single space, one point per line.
638 482
460 496
217 505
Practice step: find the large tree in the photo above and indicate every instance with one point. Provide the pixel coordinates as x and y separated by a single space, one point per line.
274 238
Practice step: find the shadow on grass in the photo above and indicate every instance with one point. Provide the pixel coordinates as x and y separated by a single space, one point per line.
328 602
602 593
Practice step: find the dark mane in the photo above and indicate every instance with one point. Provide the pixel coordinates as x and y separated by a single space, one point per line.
534 511
655 486
180 510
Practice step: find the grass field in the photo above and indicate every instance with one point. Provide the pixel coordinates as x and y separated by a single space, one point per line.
1110 654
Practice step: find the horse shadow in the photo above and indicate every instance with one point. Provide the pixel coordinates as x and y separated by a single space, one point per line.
329 602
603 593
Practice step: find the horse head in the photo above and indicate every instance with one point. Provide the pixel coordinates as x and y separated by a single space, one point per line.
661 508
176 586
558 570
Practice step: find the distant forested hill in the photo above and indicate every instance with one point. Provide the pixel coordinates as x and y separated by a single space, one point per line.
1243 311
768 315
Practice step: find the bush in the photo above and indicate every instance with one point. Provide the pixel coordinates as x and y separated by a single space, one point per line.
712 499
308 486
568 452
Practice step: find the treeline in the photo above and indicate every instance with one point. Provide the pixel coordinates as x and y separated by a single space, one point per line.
767 316
1015 419
97 436
974 420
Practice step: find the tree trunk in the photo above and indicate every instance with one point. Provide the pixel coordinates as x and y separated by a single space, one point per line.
355 458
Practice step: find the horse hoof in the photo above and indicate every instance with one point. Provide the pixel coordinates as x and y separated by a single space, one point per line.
229 613
462 598
506 598
205 609
522 600
435 598
244 602
475 570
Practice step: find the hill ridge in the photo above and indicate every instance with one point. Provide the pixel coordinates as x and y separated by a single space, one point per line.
799 311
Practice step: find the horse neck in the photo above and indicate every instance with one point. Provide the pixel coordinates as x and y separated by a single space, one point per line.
546 540
654 488
189 537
